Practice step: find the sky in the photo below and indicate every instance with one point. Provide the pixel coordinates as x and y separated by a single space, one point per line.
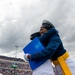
20 18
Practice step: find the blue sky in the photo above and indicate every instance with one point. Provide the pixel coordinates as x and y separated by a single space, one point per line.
20 18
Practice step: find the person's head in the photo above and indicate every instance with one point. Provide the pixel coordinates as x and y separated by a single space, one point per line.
36 34
46 25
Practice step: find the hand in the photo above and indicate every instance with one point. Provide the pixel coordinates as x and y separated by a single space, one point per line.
27 56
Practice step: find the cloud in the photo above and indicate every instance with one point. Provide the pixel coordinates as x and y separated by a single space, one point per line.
20 18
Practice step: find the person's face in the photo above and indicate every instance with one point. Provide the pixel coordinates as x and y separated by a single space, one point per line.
43 30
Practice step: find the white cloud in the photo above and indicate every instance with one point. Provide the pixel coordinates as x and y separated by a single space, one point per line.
20 18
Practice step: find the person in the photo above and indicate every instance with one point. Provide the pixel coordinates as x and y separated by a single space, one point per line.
54 51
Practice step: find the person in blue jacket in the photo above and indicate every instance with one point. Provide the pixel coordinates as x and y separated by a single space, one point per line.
54 51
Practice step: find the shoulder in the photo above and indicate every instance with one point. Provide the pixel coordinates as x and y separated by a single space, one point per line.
55 37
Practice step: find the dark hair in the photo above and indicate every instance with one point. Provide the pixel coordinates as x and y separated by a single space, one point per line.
36 34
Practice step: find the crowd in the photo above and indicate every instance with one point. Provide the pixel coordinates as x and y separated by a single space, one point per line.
5 71
6 68
9 64
11 58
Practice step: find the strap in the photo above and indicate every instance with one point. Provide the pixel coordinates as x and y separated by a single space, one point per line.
63 64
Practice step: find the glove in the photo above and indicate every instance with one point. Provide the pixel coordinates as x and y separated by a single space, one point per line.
27 56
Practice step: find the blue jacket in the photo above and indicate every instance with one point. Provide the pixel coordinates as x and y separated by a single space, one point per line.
53 46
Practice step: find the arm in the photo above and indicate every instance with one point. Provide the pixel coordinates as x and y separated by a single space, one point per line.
49 50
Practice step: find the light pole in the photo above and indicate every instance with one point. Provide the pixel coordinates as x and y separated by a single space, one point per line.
14 66
16 51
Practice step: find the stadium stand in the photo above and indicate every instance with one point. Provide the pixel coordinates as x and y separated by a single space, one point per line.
14 66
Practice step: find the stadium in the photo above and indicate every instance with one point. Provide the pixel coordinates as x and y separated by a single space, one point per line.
14 66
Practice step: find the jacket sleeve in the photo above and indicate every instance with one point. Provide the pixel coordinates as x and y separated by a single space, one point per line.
48 52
